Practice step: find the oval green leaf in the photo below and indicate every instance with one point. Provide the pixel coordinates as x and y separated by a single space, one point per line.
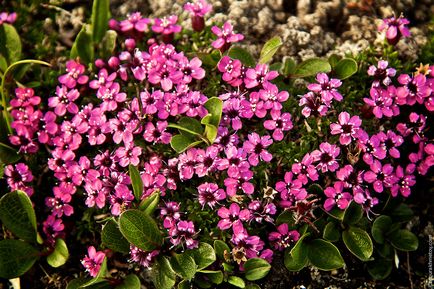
380 269
163 275
204 255
140 230
8 155
18 215
16 258
130 282
83 45
311 67
242 55
345 68
324 255
183 265
60 254
220 248
270 48
296 258
353 213
136 181
380 227
404 240
113 239
236 281
181 142
10 43
99 19
256 268
150 203
331 232
358 243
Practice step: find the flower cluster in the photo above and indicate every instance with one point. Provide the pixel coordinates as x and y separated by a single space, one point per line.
8 18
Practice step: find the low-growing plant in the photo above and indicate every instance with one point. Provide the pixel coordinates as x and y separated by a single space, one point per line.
202 162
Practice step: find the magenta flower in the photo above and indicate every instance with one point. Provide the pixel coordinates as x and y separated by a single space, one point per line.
347 127
272 97
232 215
93 261
231 69
305 169
253 106
233 185
103 79
157 134
313 105
191 69
256 146
351 177
291 189
183 232
136 22
258 75
413 89
18 177
24 97
111 96
232 113
382 101
7 18
207 161
121 199
210 194
372 148
337 197
235 161
327 88
144 258
380 176
171 214
198 9
405 179
381 74
225 37
74 74
129 155
283 238
414 127
395 28
391 141
64 101
166 25
262 211
279 124
326 157
53 228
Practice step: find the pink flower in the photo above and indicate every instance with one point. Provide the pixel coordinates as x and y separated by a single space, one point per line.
18 177
144 258
231 69
327 88
93 261
291 189
74 74
283 238
183 232
166 25
232 215
326 157
381 73
235 161
380 176
405 180
382 101
64 101
157 134
279 124
395 28
313 105
272 97
210 194
136 22
198 9
347 127
256 146
305 169
258 75
7 18
337 197
225 37
415 89
129 155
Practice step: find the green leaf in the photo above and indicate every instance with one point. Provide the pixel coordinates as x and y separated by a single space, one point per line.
3 63
404 240
188 125
10 43
276 66
109 43
228 267
353 213
402 213
269 49
287 217
324 255
184 284
242 55
296 258
358 243
150 203
204 255
256 268
100 18
130 282
333 60
16 258
214 105
8 155
18 215
385 250
83 45
78 283
140 230
215 277
380 227
331 232
210 59
183 265
60 254
180 143
163 275
113 239
236 281
253 286
336 213
289 66
136 181
220 247
345 68
380 269
311 67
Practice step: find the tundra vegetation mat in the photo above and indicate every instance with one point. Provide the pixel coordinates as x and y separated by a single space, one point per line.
216 144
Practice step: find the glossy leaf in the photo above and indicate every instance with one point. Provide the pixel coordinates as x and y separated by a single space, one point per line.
183 265
331 232
99 19
136 181
180 143
353 213
215 277
188 125
16 258
358 242
214 105
83 45
324 255
380 269
140 230
109 43
10 43
8 155
242 55
130 282
296 258
270 48
150 203
312 67
163 275
18 215
204 255
113 239
256 268
60 254
380 227
289 66
404 240
236 281
220 248
345 68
